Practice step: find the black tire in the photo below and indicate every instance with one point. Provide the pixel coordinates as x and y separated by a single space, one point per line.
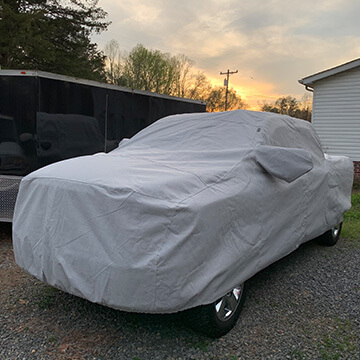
217 319
330 237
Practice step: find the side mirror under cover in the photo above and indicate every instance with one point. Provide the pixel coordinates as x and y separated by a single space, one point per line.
284 163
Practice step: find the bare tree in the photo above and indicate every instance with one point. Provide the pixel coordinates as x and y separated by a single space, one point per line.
113 62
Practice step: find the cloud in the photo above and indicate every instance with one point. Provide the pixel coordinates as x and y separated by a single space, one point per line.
272 43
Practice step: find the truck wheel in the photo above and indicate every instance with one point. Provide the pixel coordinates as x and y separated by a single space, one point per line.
330 237
218 318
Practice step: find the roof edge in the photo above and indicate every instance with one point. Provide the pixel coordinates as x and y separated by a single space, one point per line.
311 79
54 76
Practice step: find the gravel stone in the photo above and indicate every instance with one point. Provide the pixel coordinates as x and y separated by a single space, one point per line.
305 306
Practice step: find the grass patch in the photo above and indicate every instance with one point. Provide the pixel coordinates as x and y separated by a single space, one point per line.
298 354
47 297
356 183
202 345
52 339
341 341
351 225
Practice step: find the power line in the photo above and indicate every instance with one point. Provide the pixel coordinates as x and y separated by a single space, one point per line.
226 83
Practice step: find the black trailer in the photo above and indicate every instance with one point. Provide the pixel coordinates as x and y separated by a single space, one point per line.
46 118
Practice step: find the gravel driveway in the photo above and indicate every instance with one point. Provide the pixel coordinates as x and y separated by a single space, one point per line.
305 306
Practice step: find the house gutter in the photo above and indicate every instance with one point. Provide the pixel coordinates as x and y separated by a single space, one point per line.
307 87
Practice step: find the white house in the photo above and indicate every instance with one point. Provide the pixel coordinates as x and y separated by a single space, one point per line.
336 109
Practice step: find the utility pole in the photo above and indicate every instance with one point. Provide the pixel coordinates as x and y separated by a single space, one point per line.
226 83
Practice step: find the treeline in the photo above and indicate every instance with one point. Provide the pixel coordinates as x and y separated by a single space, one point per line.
288 105
52 35
153 70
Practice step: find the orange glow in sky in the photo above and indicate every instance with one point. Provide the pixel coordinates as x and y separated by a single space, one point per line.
252 92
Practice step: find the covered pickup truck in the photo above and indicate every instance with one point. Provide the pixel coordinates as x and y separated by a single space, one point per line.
182 214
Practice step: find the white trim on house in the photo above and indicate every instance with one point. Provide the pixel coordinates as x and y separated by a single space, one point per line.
309 80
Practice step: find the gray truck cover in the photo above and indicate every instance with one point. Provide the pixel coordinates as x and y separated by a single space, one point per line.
182 212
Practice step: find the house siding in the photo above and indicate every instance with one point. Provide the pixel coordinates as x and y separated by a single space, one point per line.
336 113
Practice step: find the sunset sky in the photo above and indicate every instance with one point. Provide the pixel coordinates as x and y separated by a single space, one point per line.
272 43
